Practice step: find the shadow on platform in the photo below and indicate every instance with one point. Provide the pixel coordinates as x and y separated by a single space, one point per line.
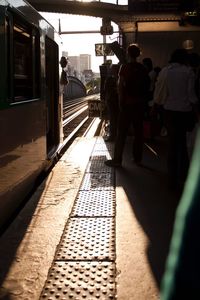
152 202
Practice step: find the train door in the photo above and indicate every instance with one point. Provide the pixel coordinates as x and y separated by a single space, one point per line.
52 94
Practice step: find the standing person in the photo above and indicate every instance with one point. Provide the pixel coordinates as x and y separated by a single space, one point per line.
147 62
152 124
111 100
194 62
133 85
175 90
63 79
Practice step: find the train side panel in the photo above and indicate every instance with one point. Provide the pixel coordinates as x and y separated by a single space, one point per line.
29 102
22 153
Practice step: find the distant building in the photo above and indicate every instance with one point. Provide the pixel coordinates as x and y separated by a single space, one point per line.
80 63
74 64
65 53
85 62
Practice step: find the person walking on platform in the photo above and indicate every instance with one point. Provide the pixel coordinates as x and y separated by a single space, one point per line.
133 86
175 91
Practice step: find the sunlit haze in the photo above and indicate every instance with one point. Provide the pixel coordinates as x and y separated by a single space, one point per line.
82 43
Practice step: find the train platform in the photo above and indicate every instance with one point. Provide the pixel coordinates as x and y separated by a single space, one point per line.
90 231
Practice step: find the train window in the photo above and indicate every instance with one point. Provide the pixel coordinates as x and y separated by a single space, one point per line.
25 57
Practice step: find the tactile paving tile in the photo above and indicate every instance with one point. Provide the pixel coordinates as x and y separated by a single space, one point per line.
94 204
100 140
96 164
87 239
102 146
105 153
80 280
98 181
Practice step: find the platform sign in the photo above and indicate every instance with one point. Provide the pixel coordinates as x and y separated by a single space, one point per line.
96 108
103 49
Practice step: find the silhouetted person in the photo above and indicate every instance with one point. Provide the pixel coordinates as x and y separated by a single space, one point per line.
147 62
111 100
152 124
194 62
133 86
63 64
175 91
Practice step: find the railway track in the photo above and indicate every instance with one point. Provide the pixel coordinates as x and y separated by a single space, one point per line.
76 121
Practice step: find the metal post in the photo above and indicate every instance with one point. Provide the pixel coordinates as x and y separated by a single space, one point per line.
136 32
104 56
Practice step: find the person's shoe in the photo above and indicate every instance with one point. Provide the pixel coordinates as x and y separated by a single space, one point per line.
113 163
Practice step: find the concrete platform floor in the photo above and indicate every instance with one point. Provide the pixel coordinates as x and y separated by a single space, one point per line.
145 211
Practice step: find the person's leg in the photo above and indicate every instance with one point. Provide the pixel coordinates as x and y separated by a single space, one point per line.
183 162
122 129
138 141
115 118
172 159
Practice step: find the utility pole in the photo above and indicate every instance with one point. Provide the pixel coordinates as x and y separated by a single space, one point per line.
104 55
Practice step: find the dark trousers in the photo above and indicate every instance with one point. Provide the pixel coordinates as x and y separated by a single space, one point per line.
113 111
130 114
178 159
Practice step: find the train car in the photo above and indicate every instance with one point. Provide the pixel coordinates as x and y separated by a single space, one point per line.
30 101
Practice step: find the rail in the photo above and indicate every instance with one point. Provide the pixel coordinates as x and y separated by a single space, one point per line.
75 117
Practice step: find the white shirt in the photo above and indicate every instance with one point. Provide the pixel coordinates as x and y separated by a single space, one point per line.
175 88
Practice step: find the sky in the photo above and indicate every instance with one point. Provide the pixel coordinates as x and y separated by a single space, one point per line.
76 44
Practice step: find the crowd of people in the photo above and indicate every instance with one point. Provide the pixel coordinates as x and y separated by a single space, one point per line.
133 85
173 92
136 94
